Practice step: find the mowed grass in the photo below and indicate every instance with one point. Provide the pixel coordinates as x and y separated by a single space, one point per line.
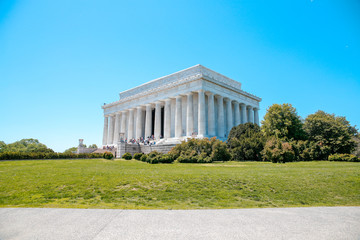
132 184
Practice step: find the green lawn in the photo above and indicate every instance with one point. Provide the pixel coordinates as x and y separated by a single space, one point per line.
132 184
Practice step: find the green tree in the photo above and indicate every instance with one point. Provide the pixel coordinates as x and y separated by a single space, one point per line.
27 145
283 122
93 146
71 150
357 148
246 141
2 146
333 133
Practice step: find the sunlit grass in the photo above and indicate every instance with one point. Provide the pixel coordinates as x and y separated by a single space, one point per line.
136 185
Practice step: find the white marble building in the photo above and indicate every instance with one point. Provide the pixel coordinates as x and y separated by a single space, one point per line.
195 102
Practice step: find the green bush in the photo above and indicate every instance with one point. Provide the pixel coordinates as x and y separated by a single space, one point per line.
153 154
344 158
165 158
95 155
307 151
154 160
108 155
200 151
144 158
219 152
155 157
246 141
45 155
127 156
277 151
137 156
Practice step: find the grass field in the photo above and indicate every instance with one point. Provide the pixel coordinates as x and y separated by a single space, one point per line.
132 184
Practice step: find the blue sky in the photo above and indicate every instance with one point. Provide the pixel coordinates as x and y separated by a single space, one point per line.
61 60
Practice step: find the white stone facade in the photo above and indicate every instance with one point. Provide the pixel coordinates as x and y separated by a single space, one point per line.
195 102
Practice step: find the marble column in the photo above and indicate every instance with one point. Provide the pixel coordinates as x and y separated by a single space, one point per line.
189 115
211 115
243 113
178 117
221 120
139 122
111 130
256 116
117 128
201 114
106 130
167 119
250 114
157 131
237 113
229 123
148 120
123 124
131 124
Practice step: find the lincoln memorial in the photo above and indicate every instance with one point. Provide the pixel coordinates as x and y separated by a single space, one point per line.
194 103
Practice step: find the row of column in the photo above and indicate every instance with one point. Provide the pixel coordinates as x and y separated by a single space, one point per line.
116 123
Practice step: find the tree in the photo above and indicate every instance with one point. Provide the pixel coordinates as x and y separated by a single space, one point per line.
283 122
2 146
357 148
334 134
26 145
93 146
71 150
246 141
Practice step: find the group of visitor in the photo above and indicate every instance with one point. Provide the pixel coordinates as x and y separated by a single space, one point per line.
150 140
108 147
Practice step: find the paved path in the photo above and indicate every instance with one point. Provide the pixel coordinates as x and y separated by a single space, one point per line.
271 223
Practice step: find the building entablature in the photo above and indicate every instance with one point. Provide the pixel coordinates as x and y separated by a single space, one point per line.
182 78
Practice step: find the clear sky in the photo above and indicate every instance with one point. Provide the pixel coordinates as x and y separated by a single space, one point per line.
61 60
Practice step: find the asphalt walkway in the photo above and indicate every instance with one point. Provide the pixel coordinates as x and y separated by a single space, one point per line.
266 223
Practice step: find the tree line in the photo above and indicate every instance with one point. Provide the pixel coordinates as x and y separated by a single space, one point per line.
30 148
284 137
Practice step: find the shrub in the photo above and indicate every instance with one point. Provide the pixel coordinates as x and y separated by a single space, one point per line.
144 158
95 155
307 151
154 160
45 155
108 155
277 151
155 157
137 156
219 152
200 151
127 156
153 154
246 141
165 158
344 158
